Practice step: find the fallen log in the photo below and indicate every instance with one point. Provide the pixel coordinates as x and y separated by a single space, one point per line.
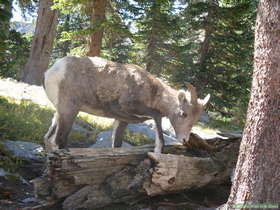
93 178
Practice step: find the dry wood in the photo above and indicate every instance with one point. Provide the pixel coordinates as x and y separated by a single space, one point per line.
92 178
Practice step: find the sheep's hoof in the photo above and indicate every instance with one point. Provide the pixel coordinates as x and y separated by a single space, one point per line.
158 150
50 146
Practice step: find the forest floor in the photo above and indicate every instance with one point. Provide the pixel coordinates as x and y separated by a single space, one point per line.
17 193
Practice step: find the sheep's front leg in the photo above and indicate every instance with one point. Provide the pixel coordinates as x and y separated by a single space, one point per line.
143 110
118 133
159 143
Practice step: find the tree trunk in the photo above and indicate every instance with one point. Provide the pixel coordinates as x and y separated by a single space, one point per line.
42 44
153 39
99 9
257 178
93 178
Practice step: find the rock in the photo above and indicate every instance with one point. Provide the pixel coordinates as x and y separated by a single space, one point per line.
205 134
237 134
148 130
166 126
204 118
104 140
3 172
26 150
8 175
29 200
86 131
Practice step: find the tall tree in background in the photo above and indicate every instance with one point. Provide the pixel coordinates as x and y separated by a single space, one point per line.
14 46
258 168
98 17
42 43
157 27
218 55
5 16
153 37
208 43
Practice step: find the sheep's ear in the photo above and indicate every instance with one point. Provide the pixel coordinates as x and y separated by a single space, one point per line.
182 96
205 100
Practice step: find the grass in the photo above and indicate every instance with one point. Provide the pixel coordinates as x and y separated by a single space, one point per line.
26 121
101 123
226 124
137 139
23 120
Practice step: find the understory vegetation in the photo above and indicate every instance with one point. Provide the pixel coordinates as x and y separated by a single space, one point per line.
27 121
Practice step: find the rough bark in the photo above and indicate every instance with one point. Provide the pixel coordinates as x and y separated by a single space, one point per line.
42 44
209 29
258 168
153 39
99 9
93 178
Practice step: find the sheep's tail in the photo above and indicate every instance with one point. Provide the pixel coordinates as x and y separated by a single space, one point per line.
43 81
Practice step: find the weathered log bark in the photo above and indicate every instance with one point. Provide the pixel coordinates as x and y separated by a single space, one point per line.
93 178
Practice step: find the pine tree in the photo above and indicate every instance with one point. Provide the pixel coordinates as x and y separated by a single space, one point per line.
258 167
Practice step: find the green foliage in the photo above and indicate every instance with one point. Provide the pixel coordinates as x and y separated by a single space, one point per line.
137 139
221 62
76 26
14 47
223 123
25 121
13 54
72 32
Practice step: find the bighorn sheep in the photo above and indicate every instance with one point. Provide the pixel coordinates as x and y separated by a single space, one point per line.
125 92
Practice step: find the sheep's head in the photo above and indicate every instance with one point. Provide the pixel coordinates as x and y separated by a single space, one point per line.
188 112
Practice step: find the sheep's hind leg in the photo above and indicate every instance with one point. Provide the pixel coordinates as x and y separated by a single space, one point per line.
118 133
52 128
63 125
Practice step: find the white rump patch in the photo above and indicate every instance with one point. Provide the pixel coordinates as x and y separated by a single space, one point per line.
98 62
53 77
